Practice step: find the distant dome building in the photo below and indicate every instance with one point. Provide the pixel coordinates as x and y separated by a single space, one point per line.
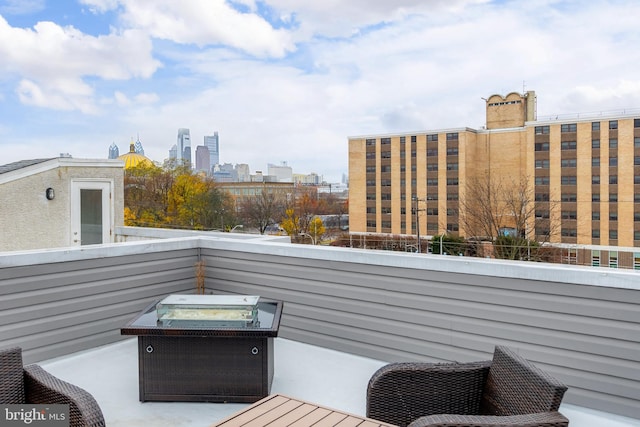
133 159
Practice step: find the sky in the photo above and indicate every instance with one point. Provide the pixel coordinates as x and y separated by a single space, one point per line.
292 80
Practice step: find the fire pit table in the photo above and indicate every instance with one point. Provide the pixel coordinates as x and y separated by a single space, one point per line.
191 348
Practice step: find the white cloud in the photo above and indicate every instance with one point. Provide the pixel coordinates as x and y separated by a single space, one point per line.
53 61
21 7
206 22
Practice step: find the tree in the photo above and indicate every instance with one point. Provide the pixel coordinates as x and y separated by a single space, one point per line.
316 229
495 208
291 222
261 210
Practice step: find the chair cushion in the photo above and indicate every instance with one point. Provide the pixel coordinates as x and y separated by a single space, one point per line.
11 376
517 387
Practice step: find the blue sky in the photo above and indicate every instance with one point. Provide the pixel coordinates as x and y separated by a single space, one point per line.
291 80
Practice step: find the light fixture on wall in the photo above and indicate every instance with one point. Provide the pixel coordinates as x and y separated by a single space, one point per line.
50 193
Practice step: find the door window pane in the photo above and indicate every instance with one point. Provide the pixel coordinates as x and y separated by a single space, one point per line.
90 217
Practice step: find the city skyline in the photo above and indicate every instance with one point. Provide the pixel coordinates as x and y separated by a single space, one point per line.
284 82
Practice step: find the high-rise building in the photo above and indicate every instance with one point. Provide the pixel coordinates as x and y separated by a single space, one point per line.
138 146
282 172
213 144
114 152
581 175
202 159
183 146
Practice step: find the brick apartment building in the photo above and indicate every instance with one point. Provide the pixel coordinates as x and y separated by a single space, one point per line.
584 174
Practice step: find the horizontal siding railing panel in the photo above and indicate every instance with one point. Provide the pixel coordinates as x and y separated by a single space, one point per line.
585 334
578 323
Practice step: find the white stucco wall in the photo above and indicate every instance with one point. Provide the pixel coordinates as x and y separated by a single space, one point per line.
29 221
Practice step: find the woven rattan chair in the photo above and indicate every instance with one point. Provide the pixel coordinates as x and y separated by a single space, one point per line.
507 391
33 385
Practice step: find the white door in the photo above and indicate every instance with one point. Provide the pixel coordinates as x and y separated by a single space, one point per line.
91 212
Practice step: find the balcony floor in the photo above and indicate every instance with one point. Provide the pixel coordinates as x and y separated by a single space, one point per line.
327 377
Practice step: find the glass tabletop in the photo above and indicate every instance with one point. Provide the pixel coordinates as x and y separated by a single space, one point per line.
146 323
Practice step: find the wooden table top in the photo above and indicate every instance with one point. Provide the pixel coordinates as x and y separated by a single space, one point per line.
277 410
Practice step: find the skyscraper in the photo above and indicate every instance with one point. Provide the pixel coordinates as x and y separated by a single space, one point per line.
183 152
114 152
202 159
213 144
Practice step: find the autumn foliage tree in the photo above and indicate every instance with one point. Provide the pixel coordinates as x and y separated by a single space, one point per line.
174 196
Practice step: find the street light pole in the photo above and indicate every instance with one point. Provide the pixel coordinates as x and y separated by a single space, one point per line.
417 212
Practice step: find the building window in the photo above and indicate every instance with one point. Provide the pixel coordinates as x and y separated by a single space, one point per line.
569 127
542 164
595 143
595 197
385 196
385 183
595 125
542 197
613 234
385 168
568 180
595 234
385 141
636 142
432 196
568 145
371 183
452 136
595 216
452 227
371 196
569 163
432 167
613 143
569 215
385 155
452 166
636 160
636 123
613 124
568 197
636 198
595 256
452 196
432 211
371 210
613 161
452 181
613 216
542 180
595 161
452 212
595 179
542 214
542 130
542 146
613 179
432 138
613 197
371 224
569 232
432 181
371 142
636 216
432 152
452 151
403 139
413 138
636 179
371 169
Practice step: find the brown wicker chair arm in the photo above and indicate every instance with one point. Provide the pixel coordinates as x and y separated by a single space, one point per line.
43 388
545 419
400 393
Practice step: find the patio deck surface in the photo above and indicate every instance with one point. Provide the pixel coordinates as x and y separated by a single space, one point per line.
315 374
